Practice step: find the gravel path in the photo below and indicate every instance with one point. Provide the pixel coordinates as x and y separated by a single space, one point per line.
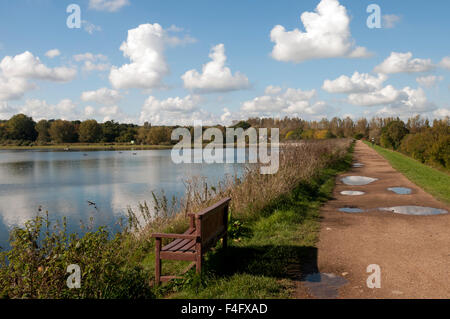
413 252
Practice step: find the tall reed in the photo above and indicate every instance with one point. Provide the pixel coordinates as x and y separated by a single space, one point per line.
249 192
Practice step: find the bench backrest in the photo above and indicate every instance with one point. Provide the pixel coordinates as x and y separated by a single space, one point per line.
212 223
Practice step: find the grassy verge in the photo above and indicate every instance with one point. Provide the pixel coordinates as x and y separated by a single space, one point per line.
433 181
270 250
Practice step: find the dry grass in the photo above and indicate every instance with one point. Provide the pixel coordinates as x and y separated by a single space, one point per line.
250 193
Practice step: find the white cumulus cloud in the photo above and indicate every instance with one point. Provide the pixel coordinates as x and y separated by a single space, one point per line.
327 35
272 90
40 109
386 95
108 5
176 110
12 88
145 49
89 27
442 113
6 111
93 62
390 20
16 73
108 113
215 76
52 53
358 82
405 102
445 63
291 102
102 96
26 65
429 81
403 63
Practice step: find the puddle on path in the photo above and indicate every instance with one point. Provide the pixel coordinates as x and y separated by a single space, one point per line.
400 190
358 180
415 210
358 165
352 193
324 285
351 210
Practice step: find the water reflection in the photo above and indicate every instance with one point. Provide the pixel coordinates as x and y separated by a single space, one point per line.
351 210
415 210
324 285
400 190
358 180
352 193
64 182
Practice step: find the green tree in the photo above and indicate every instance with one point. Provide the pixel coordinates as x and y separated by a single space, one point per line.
21 127
42 128
111 131
393 133
2 131
90 131
158 135
127 135
63 132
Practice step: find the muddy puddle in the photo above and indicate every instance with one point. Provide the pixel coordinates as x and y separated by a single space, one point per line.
352 193
351 210
400 190
415 210
358 180
358 165
324 285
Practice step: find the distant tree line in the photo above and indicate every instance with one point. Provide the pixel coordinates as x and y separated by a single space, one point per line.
22 130
417 137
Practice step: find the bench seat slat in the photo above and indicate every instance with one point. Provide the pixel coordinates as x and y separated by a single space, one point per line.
176 242
190 246
179 245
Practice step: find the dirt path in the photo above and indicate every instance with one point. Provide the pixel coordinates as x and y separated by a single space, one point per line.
413 252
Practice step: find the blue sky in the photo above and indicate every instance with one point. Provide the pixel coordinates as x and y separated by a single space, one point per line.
402 70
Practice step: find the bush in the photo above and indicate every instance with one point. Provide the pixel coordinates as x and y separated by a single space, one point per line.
36 264
431 145
392 134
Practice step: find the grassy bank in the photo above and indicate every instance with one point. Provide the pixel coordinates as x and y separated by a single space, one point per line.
273 233
272 250
433 181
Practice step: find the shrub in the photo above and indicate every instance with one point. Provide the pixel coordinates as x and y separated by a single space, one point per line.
393 134
35 266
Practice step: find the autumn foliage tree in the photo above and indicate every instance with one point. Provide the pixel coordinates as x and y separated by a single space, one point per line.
21 127
90 131
62 131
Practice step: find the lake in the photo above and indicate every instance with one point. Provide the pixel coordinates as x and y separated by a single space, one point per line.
62 183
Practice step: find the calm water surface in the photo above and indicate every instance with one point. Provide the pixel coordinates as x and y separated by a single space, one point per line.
63 182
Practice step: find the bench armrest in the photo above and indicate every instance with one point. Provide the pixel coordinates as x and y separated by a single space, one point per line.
181 236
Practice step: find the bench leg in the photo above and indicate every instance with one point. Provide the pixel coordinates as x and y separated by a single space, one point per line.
158 262
198 261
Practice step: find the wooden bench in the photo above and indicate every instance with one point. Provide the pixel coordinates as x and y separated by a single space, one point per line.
205 229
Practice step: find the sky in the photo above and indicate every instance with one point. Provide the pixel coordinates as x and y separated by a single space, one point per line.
172 62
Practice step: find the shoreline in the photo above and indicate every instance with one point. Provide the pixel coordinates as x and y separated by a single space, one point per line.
106 146
97 146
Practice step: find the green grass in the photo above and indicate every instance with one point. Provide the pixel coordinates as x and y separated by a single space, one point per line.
272 249
433 181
